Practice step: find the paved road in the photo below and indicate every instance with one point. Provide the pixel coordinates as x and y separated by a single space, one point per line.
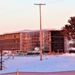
42 73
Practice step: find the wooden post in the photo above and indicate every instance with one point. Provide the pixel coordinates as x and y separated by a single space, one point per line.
40 29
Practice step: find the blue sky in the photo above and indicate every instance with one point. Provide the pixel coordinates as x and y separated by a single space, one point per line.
17 15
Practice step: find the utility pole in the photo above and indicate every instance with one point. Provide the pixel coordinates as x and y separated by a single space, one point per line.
40 4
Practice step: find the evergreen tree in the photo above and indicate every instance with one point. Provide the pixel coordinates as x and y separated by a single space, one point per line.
69 29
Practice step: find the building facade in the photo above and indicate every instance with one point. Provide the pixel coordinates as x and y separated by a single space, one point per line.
57 41
10 41
29 40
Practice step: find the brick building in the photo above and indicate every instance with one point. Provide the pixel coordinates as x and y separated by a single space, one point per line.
57 41
28 40
10 41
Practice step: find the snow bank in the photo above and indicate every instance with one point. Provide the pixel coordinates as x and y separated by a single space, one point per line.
50 63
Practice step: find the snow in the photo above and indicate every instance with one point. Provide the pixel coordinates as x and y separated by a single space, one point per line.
32 63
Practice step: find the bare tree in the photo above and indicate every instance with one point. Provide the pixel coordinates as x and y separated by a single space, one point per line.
3 60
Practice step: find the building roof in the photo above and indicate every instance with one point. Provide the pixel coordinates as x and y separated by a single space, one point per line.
31 31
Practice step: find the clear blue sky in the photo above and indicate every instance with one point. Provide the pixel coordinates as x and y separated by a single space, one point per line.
17 15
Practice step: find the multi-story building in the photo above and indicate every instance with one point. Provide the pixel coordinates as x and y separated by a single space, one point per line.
57 41
2 40
28 40
53 41
10 41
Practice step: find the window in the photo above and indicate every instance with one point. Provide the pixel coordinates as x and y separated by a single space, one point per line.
14 36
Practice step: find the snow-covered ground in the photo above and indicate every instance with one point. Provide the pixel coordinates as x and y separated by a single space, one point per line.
49 63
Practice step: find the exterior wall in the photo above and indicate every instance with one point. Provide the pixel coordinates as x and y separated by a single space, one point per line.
24 41
31 40
57 41
11 41
2 40
28 40
46 41
66 44
53 40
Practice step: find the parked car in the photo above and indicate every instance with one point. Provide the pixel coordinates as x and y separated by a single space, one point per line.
33 52
71 50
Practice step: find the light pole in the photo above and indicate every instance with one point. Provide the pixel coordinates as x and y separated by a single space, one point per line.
40 29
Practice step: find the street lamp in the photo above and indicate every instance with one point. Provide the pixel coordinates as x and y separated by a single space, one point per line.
40 29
